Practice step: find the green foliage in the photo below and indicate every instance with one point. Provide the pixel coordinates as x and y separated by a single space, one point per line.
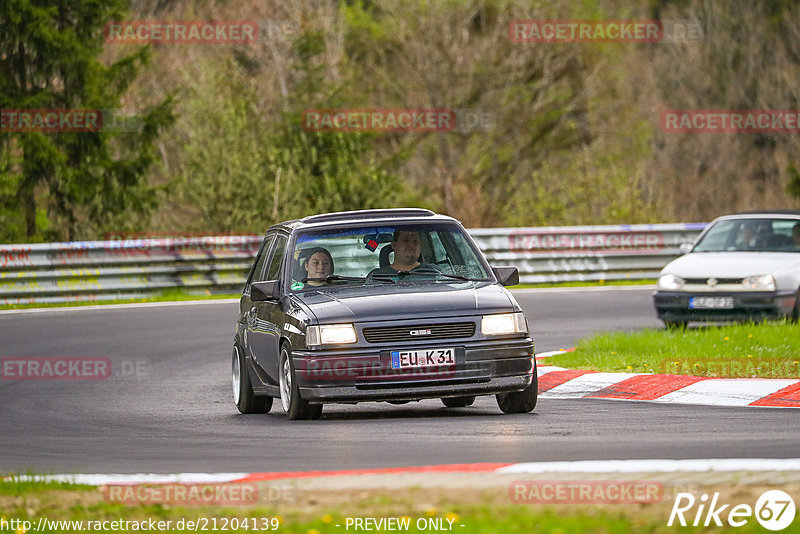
89 181
794 182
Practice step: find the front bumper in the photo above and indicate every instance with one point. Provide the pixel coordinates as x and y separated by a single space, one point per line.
673 306
365 374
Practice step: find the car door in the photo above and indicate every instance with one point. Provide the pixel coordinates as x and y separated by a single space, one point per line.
246 307
267 317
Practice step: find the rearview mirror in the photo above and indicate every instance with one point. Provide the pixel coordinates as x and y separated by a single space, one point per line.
268 290
507 276
685 248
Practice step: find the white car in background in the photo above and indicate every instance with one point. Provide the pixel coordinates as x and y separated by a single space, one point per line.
744 266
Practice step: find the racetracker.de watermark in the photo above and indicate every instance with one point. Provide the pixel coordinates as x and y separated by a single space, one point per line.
745 367
604 31
69 368
586 491
225 494
397 120
398 365
730 121
213 32
55 120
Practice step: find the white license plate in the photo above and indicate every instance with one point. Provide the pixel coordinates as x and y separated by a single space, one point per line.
711 303
404 359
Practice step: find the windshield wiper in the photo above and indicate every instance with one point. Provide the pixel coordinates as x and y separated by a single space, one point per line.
381 277
335 277
429 271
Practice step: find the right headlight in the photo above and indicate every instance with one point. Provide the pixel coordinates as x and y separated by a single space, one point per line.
504 324
759 283
670 282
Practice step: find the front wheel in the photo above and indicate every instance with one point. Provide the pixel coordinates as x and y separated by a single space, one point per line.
293 404
520 401
244 398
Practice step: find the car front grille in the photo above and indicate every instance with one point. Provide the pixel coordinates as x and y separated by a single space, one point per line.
387 334
720 281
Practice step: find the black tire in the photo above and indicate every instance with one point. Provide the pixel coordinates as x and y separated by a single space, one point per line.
293 404
458 402
520 401
676 325
796 311
244 398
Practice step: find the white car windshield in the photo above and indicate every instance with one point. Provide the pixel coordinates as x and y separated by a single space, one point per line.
752 235
358 255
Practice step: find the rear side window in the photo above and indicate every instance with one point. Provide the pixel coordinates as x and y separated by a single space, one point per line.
273 271
258 265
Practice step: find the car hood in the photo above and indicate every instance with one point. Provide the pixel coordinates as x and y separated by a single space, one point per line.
732 264
388 302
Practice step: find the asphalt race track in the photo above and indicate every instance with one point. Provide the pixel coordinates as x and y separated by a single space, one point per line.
167 406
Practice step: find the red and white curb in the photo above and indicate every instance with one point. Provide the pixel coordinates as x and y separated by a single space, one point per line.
560 383
581 466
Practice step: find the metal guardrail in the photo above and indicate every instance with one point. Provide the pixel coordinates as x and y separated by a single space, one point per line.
128 268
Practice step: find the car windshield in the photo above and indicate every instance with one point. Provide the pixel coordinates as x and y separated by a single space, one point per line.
751 235
366 255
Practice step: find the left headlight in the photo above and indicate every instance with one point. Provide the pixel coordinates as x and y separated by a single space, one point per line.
503 324
670 282
331 334
759 283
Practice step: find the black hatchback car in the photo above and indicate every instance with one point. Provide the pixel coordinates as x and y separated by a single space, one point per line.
391 305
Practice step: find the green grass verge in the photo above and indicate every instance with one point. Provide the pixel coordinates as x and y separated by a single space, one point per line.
468 511
171 295
596 283
751 350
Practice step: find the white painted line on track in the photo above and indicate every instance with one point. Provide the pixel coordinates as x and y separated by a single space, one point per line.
138 478
575 466
131 306
655 466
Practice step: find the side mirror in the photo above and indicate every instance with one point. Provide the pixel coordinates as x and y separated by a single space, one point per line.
685 248
507 276
261 291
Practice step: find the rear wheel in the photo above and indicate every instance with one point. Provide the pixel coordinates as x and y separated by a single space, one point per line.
796 311
520 401
293 404
244 398
458 402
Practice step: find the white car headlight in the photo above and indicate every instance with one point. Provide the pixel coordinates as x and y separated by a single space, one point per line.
670 282
330 334
503 324
759 283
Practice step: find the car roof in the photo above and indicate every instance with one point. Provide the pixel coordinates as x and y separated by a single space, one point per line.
765 214
375 216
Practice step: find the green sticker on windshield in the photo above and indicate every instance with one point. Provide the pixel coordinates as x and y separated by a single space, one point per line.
297 285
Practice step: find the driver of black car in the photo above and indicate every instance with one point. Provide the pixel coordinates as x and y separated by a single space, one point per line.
406 246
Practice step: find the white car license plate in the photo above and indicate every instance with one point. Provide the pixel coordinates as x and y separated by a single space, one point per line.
403 359
716 303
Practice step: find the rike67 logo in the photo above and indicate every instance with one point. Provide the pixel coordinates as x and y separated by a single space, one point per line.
774 510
